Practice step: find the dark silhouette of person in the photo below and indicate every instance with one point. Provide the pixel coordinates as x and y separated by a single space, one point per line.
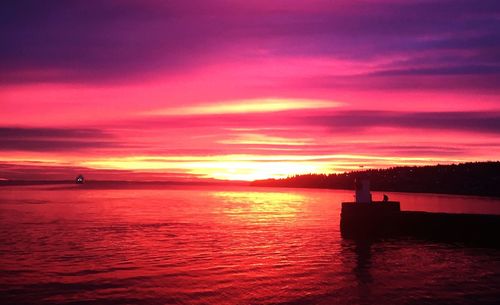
386 198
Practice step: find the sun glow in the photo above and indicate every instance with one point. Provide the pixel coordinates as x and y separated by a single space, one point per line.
247 106
218 169
251 167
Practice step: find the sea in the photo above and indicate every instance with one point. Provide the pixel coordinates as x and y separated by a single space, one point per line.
206 244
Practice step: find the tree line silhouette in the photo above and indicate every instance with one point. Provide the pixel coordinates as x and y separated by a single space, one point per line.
473 178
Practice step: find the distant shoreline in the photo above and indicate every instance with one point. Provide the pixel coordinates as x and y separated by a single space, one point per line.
115 182
470 179
379 191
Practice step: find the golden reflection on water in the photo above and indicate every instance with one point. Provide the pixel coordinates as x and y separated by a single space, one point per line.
260 207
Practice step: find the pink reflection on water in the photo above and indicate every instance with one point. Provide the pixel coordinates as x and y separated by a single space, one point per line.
198 245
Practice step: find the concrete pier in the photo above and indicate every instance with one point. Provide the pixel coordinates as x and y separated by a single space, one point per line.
385 220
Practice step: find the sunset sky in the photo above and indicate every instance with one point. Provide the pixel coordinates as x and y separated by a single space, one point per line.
242 90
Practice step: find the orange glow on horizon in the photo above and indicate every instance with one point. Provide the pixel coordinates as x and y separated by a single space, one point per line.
254 167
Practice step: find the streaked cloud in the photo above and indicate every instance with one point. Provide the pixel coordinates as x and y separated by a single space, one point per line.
53 139
479 122
246 106
259 139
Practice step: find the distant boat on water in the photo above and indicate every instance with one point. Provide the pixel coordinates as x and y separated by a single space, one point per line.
79 179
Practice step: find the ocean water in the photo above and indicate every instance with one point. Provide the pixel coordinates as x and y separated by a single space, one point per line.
161 244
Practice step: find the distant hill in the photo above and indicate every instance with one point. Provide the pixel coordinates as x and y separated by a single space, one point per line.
475 178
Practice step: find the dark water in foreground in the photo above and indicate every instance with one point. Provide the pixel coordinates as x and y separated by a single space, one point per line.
199 245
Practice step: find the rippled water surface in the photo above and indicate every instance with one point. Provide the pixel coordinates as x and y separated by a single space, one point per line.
225 245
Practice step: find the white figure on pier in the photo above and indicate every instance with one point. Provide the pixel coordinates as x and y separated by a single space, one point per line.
363 194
